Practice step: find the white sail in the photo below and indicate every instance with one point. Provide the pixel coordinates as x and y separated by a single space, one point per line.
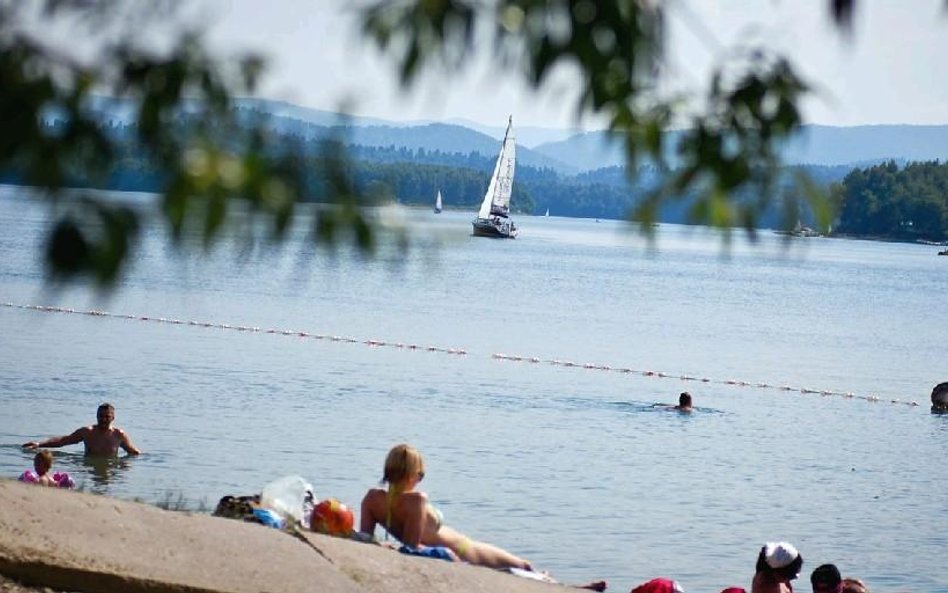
497 199
438 202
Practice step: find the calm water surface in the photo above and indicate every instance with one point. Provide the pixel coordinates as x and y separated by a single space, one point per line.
569 467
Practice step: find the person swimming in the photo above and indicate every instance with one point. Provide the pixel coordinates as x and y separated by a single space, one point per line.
940 398
684 403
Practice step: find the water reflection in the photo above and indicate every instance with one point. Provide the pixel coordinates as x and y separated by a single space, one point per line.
939 424
101 472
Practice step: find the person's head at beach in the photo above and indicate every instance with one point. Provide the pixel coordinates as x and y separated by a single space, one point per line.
42 462
778 562
659 585
851 585
684 401
825 578
404 467
105 415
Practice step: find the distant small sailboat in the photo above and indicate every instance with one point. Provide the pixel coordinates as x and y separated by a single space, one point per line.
437 208
799 231
547 212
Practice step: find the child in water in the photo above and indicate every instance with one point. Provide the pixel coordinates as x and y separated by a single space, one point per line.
42 463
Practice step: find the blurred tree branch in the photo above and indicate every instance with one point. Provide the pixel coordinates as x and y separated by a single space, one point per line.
185 124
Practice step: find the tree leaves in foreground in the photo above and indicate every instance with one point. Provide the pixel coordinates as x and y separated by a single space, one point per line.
181 103
185 123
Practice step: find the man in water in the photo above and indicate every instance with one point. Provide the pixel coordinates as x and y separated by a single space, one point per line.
684 403
100 439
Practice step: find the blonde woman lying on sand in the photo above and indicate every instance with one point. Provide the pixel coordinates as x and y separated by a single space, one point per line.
406 514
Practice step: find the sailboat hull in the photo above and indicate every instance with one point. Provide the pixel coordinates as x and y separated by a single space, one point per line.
490 228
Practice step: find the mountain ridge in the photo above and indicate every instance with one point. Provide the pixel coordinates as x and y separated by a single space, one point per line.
571 152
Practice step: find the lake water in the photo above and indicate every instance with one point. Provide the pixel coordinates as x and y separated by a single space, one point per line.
567 466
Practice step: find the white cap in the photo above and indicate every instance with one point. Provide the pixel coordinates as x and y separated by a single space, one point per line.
779 554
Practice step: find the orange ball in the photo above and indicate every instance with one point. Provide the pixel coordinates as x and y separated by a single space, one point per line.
332 517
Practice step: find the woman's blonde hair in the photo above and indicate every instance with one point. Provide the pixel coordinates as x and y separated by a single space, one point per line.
402 462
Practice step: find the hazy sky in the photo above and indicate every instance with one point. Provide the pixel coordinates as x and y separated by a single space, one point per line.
892 69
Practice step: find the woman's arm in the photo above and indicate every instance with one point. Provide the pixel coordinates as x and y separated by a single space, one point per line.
367 520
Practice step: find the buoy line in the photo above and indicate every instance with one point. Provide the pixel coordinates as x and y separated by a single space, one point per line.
241 328
372 342
731 382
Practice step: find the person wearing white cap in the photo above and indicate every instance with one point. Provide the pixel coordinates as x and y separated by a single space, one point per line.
777 564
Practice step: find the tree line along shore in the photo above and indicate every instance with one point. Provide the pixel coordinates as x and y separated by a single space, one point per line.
888 201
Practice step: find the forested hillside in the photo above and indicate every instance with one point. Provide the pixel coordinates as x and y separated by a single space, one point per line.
907 203
884 200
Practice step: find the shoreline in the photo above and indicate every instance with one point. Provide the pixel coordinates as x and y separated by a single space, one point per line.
61 540
457 209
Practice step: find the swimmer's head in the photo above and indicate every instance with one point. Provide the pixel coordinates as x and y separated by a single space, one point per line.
684 400
940 397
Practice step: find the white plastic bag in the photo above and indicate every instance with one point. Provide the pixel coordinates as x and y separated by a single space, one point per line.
290 496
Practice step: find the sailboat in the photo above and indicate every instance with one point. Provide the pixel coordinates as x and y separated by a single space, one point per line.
799 231
547 212
493 217
437 208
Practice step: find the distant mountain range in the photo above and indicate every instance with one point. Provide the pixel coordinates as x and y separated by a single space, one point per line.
567 152
857 146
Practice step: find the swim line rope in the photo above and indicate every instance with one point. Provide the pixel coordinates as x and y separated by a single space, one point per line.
462 352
